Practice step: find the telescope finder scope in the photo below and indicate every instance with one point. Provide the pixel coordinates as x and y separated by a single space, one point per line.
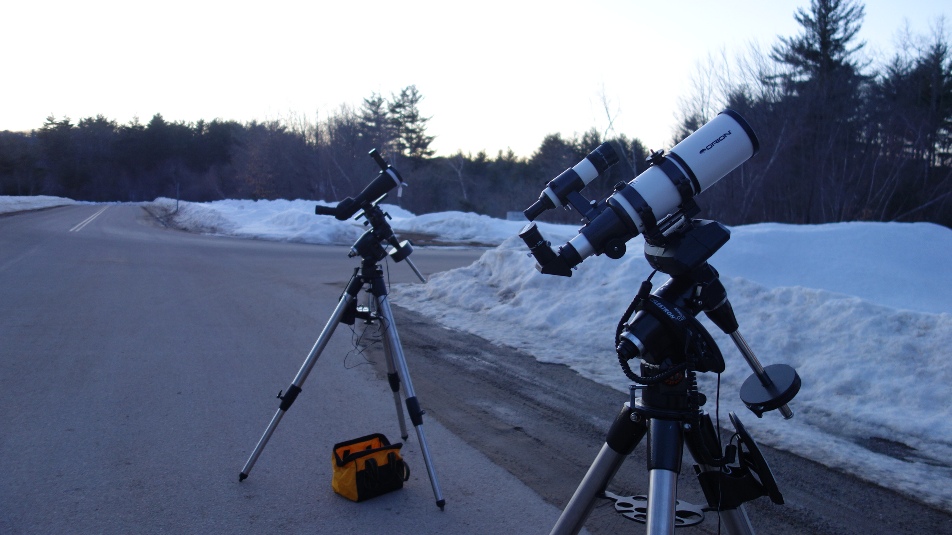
557 192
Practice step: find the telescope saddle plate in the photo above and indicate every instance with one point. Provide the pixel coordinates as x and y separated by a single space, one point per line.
636 508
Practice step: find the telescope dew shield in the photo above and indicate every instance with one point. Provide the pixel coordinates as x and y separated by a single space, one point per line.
695 164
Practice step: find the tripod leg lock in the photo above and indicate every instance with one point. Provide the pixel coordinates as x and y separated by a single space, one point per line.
416 413
288 399
394 381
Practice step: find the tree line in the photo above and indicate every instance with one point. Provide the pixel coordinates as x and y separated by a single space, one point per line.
97 159
840 140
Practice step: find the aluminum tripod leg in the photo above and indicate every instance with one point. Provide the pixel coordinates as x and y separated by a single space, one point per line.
394 379
736 522
603 469
287 399
392 340
665 446
622 438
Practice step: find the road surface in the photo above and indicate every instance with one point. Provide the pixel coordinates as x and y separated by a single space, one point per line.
139 367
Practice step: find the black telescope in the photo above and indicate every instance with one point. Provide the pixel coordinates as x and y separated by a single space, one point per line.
388 179
371 246
650 203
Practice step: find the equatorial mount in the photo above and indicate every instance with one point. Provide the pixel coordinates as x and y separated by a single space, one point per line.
371 245
665 328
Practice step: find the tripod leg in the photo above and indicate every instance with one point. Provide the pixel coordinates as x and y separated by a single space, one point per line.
704 446
413 406
665 445
623 436
736 521
394 379
288 398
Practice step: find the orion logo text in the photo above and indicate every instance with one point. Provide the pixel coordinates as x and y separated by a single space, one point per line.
715 142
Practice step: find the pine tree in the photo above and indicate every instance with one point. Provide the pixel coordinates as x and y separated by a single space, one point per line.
823 86
409 125
374 124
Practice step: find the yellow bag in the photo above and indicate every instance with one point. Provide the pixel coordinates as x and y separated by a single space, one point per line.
368 466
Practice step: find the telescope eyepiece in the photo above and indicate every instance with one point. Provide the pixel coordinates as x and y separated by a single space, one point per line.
548 261
544 203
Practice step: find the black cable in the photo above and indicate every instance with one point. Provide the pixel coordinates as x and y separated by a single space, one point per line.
642 294
720 447
357 349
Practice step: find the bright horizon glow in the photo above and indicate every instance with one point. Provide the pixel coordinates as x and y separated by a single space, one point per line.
494 76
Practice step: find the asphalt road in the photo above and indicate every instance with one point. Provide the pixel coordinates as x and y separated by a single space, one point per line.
138 367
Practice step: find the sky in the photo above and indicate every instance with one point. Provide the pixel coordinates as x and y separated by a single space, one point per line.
495 75
868 330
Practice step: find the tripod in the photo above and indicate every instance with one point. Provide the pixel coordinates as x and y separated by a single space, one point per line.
370 274
665 404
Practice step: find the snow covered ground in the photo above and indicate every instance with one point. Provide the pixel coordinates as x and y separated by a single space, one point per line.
863 311
17 204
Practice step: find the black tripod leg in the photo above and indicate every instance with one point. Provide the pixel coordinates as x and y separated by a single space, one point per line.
623 436
413 406
287 399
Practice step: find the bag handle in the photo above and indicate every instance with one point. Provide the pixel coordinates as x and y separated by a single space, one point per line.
392 459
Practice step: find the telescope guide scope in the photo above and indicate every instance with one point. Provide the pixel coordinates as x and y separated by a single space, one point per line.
559 190
643 205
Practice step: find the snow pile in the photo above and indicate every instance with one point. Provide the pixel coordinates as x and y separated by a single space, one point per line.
9 204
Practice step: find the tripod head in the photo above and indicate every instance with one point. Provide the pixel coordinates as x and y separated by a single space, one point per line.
665 326
371 245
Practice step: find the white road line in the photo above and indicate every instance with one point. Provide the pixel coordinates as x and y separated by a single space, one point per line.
88 220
